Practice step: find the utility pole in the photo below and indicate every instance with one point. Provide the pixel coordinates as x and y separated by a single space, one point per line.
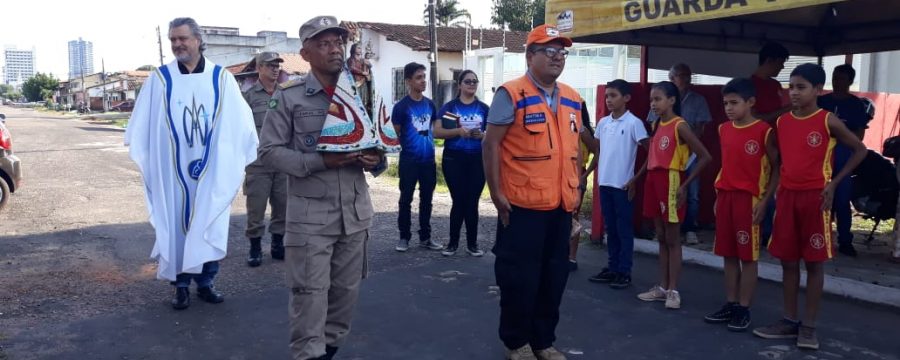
159 41
432 57
103 83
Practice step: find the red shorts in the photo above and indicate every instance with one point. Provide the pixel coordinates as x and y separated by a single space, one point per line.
736 235
661 195
802 230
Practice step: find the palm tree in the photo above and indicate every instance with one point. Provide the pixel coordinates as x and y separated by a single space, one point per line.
446 13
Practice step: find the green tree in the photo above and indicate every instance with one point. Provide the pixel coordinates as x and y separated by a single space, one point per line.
6 90
448 13
517 14
537 17
33 87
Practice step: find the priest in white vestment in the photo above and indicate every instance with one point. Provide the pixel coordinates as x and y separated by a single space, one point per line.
191 134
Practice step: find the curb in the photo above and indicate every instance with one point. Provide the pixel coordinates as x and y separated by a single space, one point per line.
852 289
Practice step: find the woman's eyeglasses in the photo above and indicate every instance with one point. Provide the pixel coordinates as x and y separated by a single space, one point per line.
470 82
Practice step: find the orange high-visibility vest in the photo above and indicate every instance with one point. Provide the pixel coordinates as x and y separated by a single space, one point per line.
539 155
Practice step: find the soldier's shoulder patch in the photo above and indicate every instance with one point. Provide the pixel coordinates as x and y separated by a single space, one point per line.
273 103
291 83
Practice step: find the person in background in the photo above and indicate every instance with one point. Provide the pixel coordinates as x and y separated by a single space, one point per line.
412 118
852 111
462 123
587 166
264 185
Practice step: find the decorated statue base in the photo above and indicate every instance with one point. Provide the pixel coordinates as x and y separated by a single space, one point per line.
348 126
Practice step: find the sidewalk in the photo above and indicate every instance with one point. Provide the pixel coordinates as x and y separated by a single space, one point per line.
869 277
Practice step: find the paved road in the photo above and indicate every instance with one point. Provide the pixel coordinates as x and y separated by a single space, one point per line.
76 283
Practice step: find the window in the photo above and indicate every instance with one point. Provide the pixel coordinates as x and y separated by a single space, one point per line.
399 84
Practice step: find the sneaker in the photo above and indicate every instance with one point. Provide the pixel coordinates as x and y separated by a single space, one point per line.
656 293
724 315
474 251
573 265
847 249
522 353
783 329
673 300
741 319
691 238
605 276
402 245
449 251
621 281
430 245
549 354
806 339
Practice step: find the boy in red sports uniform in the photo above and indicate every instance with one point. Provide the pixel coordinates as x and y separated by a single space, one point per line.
806 139
743 190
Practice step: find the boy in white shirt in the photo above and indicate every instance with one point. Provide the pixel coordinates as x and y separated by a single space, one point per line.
615 142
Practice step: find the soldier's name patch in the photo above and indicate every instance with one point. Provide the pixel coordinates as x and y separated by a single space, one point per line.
311 113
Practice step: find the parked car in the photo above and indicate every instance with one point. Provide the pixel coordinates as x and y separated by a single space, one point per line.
10 168
125 106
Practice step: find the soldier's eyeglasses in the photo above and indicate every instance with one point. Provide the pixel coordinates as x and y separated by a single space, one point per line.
552 52
274 66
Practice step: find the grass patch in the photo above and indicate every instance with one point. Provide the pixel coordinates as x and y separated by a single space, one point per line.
863 226
122 123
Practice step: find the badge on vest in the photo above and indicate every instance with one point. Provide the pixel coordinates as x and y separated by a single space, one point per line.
535 118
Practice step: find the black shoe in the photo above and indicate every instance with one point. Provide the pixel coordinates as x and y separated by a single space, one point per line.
724 315
210 295
621 281
330 351
740 322
255 258
847 249
277 250
573 265
182 298
606 276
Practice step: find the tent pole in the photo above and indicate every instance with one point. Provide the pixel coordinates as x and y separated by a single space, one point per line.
821 62
848 59
644 61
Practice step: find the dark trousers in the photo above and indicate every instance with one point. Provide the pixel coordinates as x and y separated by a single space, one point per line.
531 269
203 279
841 203
425 174
464 174
617 217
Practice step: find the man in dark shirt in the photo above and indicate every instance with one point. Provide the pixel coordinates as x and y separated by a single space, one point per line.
851 110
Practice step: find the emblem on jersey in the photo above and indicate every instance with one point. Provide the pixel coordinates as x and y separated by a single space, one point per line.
817 241
814 139
273 103
743 237
751 147
664 143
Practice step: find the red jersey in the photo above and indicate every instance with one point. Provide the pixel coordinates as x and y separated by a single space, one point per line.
806 148
768 95
745 163
667 150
